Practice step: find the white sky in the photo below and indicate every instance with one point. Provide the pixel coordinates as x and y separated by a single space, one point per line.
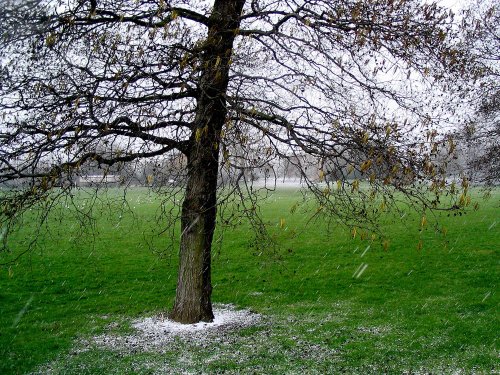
455 5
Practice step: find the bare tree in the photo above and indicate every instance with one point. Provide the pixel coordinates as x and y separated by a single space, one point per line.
481 135
342 88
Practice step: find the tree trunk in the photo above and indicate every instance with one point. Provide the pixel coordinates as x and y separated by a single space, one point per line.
193 295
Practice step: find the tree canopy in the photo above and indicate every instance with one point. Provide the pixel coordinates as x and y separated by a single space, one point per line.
344 91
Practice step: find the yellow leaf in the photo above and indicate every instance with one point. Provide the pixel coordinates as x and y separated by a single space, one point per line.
149 179
465 183
50 41
365 165
282 223
355 185
467 200
385 245
218 61
423 222
462 200
339 184
200 132
354 231
419 245
321 175
184 61
356 12
365 138
451 146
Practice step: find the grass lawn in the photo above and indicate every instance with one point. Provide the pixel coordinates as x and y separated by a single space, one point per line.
330 303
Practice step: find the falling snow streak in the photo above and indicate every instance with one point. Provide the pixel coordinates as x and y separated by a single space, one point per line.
362 268
486 296
364 252
22 312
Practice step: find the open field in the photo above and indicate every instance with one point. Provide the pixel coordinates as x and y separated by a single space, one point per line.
328 303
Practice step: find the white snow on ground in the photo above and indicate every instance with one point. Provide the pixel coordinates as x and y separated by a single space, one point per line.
225 315
155 333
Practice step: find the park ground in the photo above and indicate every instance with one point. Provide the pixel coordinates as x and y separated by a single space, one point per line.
421 299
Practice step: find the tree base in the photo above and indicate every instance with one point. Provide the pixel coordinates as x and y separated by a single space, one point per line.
191 315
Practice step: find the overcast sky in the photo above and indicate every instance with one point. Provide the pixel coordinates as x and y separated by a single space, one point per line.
455 5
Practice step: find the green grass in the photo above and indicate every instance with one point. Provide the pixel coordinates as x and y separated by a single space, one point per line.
429 309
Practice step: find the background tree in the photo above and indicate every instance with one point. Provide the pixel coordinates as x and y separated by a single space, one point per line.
481 135
342 88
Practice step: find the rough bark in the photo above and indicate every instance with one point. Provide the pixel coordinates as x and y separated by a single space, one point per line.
194 289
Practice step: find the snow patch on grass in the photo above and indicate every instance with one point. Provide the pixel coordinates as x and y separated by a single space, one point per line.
155 333
225 316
